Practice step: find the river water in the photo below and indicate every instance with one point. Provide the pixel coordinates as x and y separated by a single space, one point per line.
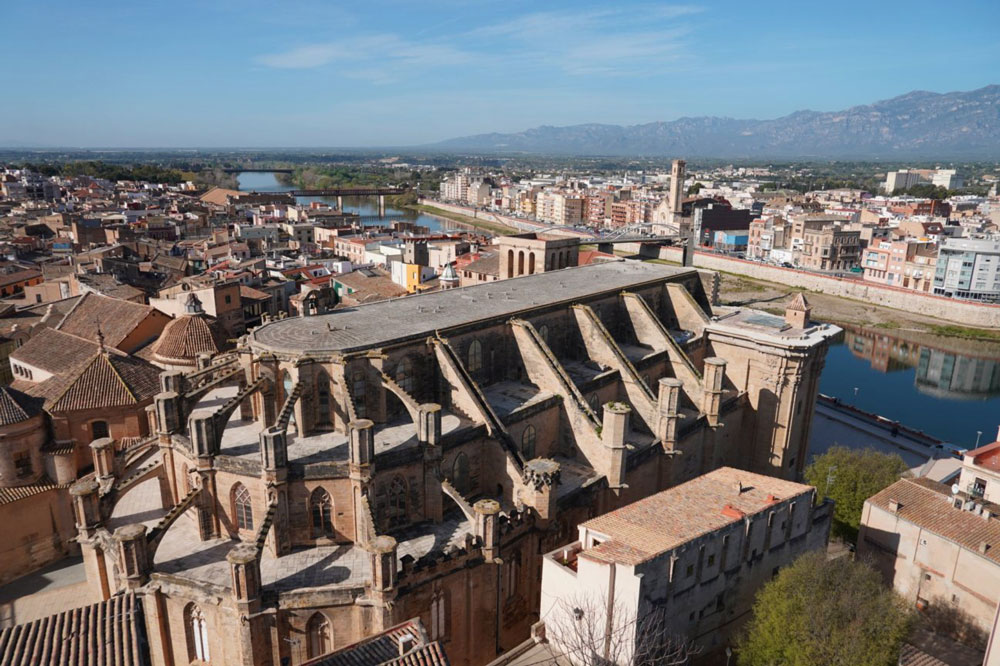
950 389
365 206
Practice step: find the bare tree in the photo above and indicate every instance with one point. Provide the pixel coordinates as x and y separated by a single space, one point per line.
590 631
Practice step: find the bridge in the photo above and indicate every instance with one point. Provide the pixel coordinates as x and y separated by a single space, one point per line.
350 192
256 170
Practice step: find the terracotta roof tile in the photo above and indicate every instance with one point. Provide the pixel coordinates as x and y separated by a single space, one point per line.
115 318
186 337
108 633
109 380
55 351
928 504
16 406
648 527
15 493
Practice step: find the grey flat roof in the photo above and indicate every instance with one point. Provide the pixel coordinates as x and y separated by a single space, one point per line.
376 324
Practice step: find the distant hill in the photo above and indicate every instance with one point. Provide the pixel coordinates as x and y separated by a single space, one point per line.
918 124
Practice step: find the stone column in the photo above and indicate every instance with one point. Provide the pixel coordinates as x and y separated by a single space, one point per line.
715 372
383 562
204 439
86 506
274 450
168 412
274 472
362 452
613 432
667 402
133 557
488 528
103 451
541 476
253 639
429 435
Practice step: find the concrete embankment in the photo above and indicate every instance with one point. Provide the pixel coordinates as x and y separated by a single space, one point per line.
965 313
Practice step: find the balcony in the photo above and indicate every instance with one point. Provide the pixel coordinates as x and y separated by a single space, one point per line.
976 490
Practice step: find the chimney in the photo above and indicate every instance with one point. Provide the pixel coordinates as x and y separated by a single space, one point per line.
983 547
406 644
894 506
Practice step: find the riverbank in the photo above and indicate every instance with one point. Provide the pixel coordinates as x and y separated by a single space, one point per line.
492 227
770 297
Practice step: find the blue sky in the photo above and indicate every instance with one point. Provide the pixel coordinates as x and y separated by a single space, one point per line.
397 72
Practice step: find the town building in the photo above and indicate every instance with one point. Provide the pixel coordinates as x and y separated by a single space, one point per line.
337 475
969 269
937 546
907 264
685 562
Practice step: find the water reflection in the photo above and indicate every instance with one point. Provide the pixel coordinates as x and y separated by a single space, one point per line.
942 373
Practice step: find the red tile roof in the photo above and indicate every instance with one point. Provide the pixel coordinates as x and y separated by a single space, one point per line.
928 504
108 633
648 527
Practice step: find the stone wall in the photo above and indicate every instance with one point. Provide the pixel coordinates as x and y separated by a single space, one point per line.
960 312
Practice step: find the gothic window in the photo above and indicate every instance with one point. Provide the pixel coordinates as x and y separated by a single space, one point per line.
543 332
528 442
319 634
513 565
321 507
404 375
360 391
475 356
287 385
595 404
98 429
460 473
323 399
242 507
438 615
397 502
197 634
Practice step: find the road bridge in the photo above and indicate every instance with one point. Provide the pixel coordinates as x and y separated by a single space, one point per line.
253 170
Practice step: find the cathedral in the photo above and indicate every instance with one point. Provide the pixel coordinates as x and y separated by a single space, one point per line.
339 474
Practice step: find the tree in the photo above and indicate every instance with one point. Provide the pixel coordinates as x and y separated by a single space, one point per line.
694 189
820 612
583 634
849 477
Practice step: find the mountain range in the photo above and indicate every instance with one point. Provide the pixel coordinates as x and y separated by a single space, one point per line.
919 124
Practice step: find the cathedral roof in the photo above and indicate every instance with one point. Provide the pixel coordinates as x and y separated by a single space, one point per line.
185 337
383 649
108 380
16 406
113 318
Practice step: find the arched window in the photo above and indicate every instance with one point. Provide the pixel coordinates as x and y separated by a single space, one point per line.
318 631
242 507
196 632
397 502
520 262
510 263
360 390
321 507
323 413
286 389
475 356
460 473
531 263
438 615
404 375
98 429
513 569
528 442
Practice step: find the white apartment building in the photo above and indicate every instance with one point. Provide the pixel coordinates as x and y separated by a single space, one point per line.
559 208
969 269
693 555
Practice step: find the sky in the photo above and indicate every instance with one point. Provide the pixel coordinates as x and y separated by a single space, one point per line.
325 73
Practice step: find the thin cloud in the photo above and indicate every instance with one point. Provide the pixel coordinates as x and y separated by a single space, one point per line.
368 53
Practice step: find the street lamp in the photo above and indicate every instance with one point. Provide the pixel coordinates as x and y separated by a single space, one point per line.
729 654
979 433
856 389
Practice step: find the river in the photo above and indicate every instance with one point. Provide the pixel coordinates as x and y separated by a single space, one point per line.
950 389
265 181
